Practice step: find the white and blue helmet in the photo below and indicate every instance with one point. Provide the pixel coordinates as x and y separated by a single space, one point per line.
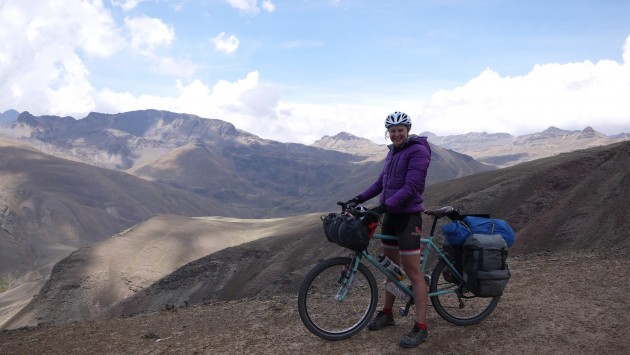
397 118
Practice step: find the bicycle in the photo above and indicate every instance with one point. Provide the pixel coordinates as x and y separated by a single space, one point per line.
339 296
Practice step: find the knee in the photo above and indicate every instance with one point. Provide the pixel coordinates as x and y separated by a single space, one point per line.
412 270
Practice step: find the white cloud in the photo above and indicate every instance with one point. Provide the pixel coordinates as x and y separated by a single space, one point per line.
126 5
572 96
225 44
43 47
244 102
147 34
43 51
69 87
268 6
33 24
251 6
40 44
97 32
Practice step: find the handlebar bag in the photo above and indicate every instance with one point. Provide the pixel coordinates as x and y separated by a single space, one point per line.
347 231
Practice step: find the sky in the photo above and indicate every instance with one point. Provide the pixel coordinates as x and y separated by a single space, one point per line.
297 70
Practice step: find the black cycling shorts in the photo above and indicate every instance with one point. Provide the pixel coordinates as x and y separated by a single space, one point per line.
407 227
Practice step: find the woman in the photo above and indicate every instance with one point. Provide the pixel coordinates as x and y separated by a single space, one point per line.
401 184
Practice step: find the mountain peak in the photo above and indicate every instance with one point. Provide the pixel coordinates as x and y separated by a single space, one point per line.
554 131
590 133
345 136
349 143
8 116
342 136
343 139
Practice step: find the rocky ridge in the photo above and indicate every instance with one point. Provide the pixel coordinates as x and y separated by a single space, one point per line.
503 149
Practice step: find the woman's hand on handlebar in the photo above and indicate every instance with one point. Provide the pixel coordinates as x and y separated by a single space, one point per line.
350 203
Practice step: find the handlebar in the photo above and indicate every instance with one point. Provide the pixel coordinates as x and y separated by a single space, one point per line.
359 210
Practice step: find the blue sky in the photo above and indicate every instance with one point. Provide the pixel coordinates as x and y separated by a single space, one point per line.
295 71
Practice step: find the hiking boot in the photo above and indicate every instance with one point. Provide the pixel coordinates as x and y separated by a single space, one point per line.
414 338
381 320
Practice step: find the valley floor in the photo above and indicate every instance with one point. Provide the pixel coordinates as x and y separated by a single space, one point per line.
563 303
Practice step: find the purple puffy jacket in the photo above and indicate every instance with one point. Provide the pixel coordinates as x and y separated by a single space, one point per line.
401 183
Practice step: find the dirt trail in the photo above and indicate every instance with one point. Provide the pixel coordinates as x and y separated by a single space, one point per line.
566 303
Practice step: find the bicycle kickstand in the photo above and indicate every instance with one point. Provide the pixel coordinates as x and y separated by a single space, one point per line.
403 311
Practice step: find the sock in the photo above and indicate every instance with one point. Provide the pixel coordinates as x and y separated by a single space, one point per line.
388 311
421 326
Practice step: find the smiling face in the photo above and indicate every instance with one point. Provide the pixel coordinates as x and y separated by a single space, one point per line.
398 134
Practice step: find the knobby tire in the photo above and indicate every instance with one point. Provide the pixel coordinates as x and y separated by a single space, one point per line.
328 317
454 309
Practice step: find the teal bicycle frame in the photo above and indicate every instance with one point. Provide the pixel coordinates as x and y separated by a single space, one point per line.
429 247
354 304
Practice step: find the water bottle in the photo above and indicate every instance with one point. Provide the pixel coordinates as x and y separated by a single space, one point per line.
392 267
397 291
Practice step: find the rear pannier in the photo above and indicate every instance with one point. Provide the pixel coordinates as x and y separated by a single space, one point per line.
485 269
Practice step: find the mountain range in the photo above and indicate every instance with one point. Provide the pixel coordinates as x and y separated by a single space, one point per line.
91 184
66 184
566 203
215 160
503 149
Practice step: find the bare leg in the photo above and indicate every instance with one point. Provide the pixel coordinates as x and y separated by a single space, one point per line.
411 264
394 255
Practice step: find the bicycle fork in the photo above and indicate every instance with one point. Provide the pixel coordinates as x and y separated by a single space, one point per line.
346 278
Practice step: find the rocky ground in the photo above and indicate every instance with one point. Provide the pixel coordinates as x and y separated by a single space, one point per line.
564 303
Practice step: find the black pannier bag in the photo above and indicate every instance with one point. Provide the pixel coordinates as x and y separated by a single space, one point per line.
347 231
485 268
454 253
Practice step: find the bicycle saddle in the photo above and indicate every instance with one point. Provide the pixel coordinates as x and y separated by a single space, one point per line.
440 212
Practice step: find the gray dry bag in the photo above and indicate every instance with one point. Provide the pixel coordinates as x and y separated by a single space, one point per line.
484 259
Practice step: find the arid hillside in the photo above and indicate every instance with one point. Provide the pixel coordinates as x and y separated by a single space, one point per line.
130 272
567 294
186 165
555 303
571 201
537 198
50 206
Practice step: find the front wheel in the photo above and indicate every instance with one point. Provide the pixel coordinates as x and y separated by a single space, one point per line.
456 304
336 303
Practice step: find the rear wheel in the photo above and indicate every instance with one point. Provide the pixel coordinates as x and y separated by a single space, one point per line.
335 303
456 304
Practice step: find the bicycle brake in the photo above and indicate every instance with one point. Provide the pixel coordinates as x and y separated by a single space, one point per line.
344 275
